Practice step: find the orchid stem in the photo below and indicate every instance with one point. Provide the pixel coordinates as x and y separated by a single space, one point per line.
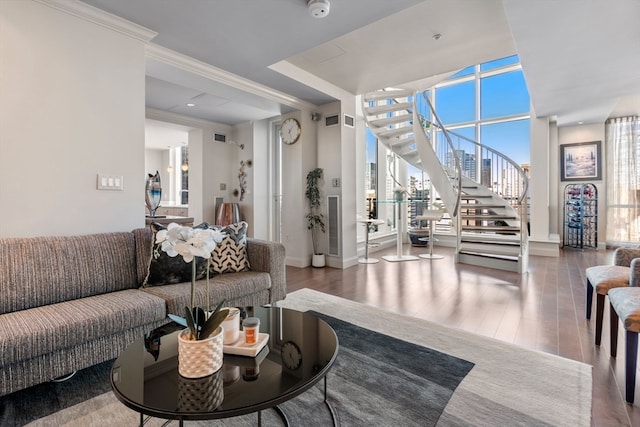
208 304
193 282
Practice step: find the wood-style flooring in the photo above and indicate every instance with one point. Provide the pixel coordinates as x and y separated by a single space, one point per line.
543 309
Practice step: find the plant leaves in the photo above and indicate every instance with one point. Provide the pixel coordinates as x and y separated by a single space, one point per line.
214 321
190 322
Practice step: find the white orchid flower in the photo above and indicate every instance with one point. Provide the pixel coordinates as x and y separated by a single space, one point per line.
188 242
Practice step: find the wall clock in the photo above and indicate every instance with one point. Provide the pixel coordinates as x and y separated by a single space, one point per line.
291 355
290 131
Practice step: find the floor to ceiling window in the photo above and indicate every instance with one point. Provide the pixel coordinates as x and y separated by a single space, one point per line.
623 181
488 103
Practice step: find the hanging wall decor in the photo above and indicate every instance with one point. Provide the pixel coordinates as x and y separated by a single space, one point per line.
242 178
581 161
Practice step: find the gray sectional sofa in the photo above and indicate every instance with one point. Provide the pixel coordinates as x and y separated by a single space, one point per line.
70 302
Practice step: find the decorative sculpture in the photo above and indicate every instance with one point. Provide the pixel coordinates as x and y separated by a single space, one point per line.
153 194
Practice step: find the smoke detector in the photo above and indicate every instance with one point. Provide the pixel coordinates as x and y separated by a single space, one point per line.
318 8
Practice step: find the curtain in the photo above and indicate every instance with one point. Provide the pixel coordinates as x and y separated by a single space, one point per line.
622 139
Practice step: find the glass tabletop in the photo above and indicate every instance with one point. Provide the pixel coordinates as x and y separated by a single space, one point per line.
300 350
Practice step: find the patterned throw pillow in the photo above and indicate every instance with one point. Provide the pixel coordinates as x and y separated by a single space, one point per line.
166 270
230 255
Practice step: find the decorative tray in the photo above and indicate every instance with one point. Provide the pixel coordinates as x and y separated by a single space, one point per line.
241 349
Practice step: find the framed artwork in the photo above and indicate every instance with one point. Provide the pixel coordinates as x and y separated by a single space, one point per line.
581 161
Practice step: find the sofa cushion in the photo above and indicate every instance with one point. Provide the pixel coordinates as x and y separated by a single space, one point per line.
37 271
30 333
228 287
163 269
230 255
626 303
607 277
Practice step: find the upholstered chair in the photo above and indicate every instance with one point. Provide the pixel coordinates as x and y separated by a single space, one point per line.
625 305
625 271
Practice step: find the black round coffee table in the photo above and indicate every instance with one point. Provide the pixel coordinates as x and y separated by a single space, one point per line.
300 351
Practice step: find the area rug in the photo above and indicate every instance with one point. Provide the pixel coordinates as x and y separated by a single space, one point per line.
410 372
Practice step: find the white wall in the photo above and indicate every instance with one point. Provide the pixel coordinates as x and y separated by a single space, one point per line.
330 160
259 180
196 175
218 161
153 161
71 106
337 156
543 240
245 134
297 160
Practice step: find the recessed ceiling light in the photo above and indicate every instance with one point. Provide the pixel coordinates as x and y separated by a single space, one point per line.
580 123
191 105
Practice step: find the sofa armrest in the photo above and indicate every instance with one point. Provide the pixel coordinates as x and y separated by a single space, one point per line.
623 256
634 272
269 257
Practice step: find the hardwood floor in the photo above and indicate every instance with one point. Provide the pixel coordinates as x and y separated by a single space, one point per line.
542 310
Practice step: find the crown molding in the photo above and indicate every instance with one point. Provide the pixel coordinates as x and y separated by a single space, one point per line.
100 17
219 75
179 119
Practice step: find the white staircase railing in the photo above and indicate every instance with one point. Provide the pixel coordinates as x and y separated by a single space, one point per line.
492 186
482 164
478 163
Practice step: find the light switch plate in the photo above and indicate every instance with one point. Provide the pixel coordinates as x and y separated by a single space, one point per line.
110 182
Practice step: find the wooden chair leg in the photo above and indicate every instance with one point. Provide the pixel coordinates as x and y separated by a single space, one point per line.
589 298
599 315
613 320
630 365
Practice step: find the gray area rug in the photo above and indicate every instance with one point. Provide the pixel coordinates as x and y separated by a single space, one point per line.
507 386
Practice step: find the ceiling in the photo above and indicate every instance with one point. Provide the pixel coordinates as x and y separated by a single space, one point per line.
580 58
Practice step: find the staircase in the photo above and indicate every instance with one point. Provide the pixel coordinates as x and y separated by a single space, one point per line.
487 207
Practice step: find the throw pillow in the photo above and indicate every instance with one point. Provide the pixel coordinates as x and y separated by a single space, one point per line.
165 270
230 255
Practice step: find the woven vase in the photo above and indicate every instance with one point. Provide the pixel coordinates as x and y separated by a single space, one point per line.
197 359
200 394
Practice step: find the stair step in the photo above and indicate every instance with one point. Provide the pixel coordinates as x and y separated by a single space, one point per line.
391 120
475 197
400 143
490 249
409 154
482 240
491 228
403 130
411 157
506 264
480 206
486 217
387 94
501 239
388 108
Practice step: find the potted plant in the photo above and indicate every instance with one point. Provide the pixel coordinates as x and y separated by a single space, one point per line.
315 218
200 346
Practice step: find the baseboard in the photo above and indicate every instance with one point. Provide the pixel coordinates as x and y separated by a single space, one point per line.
544 248
298 262
336 262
